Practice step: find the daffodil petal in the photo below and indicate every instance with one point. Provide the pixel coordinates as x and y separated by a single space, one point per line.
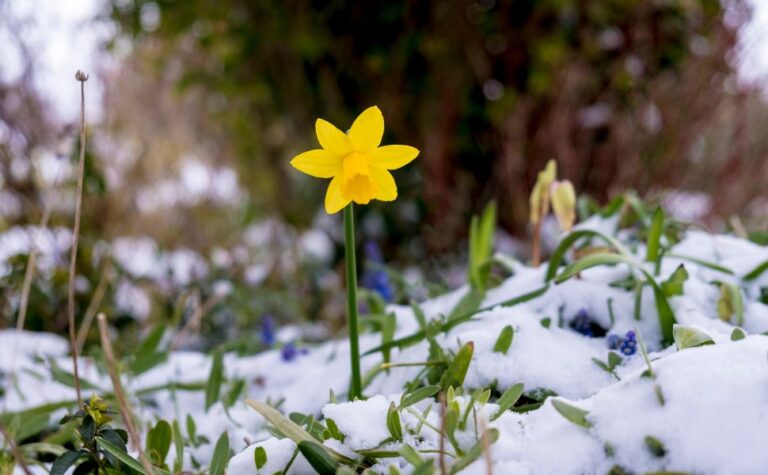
384 184
318 163
392 157
332 139
367 130
334 202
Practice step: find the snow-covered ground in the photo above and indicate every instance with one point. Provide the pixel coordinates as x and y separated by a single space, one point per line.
701 410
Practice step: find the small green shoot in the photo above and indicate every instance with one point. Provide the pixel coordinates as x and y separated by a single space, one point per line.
573 414
738 334
259 457
215 380
504 341
220 458
690 337
508 399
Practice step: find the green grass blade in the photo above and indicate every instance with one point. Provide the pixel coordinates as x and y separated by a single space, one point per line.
756 272
220 458
565 244
215 379
653 251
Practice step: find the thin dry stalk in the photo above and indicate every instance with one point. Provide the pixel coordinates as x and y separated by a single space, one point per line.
738 227
93 306
194 321
122 401
486 447
441 457
15 450
81 77
536 245
29 273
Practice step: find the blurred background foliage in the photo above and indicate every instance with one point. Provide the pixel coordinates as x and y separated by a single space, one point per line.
207 100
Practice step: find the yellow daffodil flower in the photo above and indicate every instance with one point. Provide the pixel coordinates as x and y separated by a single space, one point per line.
564 203
358 165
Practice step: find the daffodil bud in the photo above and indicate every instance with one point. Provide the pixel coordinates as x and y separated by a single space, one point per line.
564 203
539 201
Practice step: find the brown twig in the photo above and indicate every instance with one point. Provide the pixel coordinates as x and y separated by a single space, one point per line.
486 447
29 272
536 245
441 456
81 77
194 321
122 401
93 306
17 454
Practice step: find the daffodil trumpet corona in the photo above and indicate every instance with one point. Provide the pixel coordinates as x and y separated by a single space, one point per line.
359 168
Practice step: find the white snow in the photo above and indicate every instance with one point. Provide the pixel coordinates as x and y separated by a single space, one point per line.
714 418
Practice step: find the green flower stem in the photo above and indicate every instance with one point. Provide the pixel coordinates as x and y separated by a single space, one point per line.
356 389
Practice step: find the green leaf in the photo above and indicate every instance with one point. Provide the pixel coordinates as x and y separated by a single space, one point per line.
738 334
159 442
654 236
333 430
66 378
237 388
259 457
220 458
730 303
191 428
468 304
411 398
318 457
145 362
388 327
393 423
424 468
508 399
451 423
178 443
574 414
690 337
504 341
756 272
287 427
655 446
64 461
215 379
479 396
147 355
481 246
614 360
123 456
565 244
475 451
702 263
410 455
674 285
418 313
457 371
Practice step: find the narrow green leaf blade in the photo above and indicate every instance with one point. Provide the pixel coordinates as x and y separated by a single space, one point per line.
220 458
504 341
318 457
508 399
215 380
573 414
